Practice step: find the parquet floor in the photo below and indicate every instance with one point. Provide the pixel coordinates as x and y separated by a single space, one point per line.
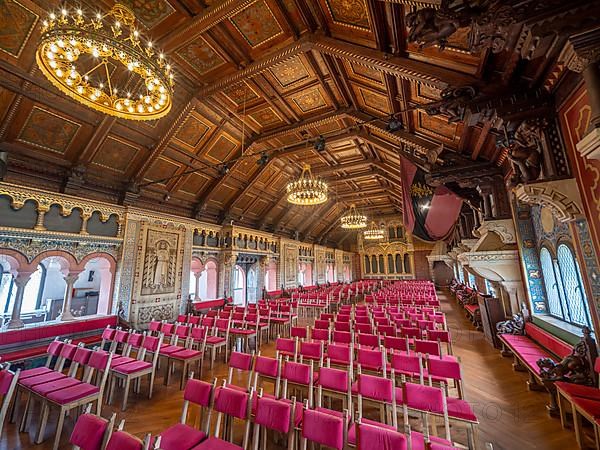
512 418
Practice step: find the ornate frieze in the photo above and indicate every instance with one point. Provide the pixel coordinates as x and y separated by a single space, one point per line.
504 228
561 197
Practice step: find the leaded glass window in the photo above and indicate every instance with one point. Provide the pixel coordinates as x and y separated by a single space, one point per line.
576 304
550 282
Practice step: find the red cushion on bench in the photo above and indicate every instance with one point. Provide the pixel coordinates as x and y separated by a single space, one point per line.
591 407
472 308
88 339
23 354
547 340
571 390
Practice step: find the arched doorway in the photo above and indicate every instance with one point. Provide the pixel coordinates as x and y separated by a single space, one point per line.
239 285
271 276
301 274
251 285
203 280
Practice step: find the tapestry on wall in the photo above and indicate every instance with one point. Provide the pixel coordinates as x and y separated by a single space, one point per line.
429 213
160 263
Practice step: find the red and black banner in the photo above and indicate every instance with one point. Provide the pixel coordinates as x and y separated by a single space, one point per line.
429 213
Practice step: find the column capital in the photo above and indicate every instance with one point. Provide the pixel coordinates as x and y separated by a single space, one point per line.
72 276
22 278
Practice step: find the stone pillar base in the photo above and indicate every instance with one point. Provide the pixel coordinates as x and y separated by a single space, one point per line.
15 323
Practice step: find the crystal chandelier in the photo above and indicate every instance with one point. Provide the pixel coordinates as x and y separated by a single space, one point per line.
353 220
102 62
307 190
374 232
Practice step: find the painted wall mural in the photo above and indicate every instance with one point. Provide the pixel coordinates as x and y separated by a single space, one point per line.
160 263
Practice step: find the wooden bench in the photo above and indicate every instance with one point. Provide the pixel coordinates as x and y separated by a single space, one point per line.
25 344
529 348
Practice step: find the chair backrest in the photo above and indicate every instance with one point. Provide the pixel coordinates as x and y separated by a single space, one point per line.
207 322
342 337
240 361
235 404
330 378
339 354
423 398
121 336
372 359
285 345
275 414
375 388
167 329
379 438
320 334
395 343
363 327
443 368
299 332
201 394
194 320
438 335
121 440
325 428
91 432
311 350
154 326
371 340
182 331
8 385
182 318
222 324
53 350
427 347
411 332
342 326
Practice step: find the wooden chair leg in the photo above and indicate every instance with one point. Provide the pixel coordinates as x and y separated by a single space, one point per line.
126 394
577 425
26 412
59 426
43 422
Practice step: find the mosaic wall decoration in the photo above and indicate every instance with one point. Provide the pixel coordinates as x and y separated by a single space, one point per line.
590 260
201 56
546 228
125 277
310 100
256 23
149 12
192 131
290 72
530 257
349 12
115 154
16 24
48 130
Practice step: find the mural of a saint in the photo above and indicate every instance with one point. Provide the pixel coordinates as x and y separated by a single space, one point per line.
161 270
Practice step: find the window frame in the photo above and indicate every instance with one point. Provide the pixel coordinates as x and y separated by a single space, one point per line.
561 289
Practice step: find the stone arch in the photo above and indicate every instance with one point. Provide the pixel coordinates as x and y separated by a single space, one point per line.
566 207
70 261
110 258
17 260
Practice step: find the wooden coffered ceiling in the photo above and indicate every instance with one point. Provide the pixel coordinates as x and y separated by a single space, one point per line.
290 70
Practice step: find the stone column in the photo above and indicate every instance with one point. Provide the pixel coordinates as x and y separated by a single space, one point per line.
21 281
70 279
85 217
197 275
516 295
39 225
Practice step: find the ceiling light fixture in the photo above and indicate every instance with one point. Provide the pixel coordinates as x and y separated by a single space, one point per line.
102 62
374 232
307 190
353 220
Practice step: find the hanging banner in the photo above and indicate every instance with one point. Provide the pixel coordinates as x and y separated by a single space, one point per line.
429 213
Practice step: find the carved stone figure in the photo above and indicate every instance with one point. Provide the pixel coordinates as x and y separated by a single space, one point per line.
489 21
577 367
525 152
516 325
453 103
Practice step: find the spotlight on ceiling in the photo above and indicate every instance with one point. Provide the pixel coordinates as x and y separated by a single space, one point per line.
223 169
319 144
264 158
394 125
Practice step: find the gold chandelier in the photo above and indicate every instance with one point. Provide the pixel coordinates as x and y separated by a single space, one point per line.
374 232
307 190
353 220
102 62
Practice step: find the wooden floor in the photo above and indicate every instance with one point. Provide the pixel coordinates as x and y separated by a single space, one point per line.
512 418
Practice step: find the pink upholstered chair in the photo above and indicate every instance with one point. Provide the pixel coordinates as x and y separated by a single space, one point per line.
134 371
53 353
193 320
441 336
276 415
182 436
342 337
286 346
342 326
320 334
427 347
242 362
311 351
216 343
299 332
324 427
91 432
372 360
363 328
108 335
233 404
90 390
375 437
445 370
322 324
334 383
186 357
8 387
340 355
154 327
410 365
379 391
298 376
395 344
121 440
268 369
368 340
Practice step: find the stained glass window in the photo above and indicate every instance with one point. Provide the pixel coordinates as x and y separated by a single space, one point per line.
472 281
552 288
576 304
